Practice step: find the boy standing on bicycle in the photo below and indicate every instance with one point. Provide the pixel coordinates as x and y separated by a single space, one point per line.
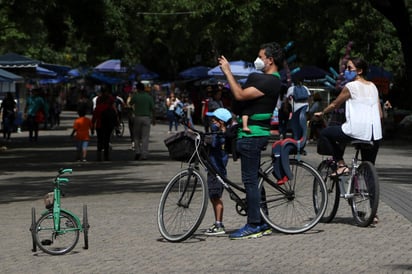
221 118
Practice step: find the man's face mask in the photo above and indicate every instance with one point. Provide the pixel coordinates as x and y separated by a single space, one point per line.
350 75
259 64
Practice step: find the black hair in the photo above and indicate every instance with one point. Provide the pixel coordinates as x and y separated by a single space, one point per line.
81 112
140 86
275 51
360 63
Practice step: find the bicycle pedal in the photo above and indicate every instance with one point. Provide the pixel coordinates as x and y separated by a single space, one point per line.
46 242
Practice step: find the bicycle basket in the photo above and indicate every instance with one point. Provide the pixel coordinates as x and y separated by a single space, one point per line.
48 200
181 146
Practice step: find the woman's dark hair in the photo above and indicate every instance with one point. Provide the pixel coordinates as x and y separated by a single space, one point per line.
360 64
275 51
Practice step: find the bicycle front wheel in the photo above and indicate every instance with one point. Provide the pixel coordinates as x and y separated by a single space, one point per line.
289 208
56 242
333 191
182 205
365 190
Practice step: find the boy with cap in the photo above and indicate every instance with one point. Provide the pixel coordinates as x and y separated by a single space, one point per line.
221 118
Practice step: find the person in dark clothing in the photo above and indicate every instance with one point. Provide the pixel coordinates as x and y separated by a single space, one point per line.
104 121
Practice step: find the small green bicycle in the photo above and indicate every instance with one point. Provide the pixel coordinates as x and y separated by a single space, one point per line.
57 230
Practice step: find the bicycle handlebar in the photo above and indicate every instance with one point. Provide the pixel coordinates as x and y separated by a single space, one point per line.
65 170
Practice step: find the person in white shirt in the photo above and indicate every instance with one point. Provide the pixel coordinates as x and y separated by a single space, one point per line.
363 115
296 105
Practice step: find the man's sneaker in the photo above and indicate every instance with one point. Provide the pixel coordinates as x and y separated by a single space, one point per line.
215 230
265 229
246 232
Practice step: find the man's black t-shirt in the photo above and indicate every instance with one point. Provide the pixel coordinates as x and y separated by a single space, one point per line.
268 84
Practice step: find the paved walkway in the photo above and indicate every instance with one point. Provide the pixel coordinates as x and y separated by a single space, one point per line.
122 196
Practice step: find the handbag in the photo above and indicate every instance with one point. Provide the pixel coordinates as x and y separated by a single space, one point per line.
39 117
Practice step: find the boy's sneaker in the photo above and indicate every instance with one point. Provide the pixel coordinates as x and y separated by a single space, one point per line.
246 232
215 230
265 229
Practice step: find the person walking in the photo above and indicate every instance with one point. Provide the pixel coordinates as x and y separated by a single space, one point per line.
35 112
81 127
171 103
260 92
143 105
8 105
104 121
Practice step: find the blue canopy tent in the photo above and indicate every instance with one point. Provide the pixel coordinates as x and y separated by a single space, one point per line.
240 69
100 77
140 72
198 72
112 65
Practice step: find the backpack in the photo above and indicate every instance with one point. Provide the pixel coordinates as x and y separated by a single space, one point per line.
300 93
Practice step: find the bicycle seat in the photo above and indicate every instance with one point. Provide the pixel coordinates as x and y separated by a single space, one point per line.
295 145
360 144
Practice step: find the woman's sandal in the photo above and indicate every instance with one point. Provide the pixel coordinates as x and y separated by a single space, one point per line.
341 170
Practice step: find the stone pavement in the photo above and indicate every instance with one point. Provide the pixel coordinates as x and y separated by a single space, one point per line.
122 197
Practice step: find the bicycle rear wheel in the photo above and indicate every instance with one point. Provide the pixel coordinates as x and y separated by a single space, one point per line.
333 191
56 242
291 210
182 205
365 190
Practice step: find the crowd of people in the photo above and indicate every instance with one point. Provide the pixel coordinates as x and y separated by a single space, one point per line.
251 105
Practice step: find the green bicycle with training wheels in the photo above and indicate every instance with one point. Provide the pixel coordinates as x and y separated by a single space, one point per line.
57 230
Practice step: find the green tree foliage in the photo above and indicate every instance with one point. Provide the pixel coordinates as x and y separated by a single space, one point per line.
169 36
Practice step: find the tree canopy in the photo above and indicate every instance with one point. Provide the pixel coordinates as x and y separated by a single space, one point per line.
170 36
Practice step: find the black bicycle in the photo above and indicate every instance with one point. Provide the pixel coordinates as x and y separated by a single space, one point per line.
293 207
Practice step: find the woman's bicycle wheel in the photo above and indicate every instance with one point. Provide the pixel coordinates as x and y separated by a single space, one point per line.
56 242
290 207
182 205
325 169
365 190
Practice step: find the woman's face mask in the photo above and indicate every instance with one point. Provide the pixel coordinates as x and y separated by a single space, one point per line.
259 64
350 75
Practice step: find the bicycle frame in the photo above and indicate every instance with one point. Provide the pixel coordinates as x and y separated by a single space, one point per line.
56 210
200 156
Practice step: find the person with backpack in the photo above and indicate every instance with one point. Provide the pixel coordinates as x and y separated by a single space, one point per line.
298 95
104 120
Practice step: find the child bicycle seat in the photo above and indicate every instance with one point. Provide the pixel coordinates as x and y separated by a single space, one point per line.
283 148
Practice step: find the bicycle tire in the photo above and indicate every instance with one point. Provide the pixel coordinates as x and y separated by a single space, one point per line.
293 212
333 191
32 229
365 190
85 227
53 242
182 205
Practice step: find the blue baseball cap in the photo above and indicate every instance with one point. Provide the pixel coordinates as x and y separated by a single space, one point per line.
221 114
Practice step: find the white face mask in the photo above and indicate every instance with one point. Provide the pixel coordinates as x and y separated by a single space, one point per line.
259 64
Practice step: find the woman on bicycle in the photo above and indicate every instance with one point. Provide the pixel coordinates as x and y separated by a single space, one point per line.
363 115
